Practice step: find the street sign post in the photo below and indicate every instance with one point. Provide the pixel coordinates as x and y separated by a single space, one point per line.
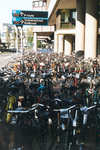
29 21
35 14
32 18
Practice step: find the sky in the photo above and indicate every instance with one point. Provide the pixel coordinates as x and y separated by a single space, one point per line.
6 7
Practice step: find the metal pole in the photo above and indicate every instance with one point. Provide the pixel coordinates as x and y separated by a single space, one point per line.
35 42
17 40
21 41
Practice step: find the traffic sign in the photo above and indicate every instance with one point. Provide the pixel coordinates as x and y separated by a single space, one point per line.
29 21
35 14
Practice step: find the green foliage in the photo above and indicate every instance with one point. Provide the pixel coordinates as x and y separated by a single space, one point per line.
8 37
14 36
29 37
38 44
44 45
19 39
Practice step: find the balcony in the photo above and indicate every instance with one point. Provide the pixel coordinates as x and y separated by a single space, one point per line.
66 19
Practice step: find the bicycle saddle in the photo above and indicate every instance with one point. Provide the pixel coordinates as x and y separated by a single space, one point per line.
18 83
13 88
42 87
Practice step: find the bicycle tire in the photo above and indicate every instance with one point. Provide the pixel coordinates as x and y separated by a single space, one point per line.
38 143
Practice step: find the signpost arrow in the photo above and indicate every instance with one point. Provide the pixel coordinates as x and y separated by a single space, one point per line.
29 21
35 14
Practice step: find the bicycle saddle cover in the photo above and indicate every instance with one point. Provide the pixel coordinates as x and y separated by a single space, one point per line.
13 87
18 83
42 87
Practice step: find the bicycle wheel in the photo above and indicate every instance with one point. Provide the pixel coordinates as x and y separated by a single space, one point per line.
38 142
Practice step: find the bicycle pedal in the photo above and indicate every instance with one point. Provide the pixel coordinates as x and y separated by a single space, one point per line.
78 131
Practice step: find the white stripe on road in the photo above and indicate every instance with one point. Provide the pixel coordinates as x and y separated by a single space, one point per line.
8 57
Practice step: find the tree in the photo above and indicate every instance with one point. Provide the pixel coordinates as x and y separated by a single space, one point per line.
8 37
38 44
19 39
14 36
29 37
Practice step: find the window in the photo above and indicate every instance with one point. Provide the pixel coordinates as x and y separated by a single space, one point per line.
65 14
44 4
73 12
64 25
35 4
68 18
74 15
40 3
63 17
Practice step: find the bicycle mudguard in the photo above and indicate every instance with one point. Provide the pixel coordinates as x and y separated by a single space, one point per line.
11 101
68 101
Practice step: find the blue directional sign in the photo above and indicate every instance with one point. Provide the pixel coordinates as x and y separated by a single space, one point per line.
29 21
25 13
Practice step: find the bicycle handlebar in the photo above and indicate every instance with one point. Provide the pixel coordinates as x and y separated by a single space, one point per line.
25 111
85 108
20 111
62 111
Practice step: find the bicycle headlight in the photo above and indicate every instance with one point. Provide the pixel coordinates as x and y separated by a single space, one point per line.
63 126
13 120
32 75
49 121
61 84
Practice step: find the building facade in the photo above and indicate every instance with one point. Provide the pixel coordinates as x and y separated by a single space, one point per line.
77 26
42 33
3 30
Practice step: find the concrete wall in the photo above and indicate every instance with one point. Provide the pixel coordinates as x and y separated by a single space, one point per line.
61 43
67 4
98 46
43 28
68 44
80 28
91 28
51 6
58 20
47 4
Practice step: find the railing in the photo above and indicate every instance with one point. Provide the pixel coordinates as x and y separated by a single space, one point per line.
65 25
